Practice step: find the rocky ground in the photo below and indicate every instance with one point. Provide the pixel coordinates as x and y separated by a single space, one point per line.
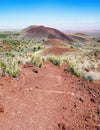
48 98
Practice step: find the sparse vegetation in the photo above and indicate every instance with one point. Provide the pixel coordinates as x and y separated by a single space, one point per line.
10 54
11 42
9 67
16 34
36 48
83 64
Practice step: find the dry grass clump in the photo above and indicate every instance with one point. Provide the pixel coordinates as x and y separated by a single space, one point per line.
9 67
55 60
37 61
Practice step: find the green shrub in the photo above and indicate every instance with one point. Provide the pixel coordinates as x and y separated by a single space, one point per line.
55 60
4 35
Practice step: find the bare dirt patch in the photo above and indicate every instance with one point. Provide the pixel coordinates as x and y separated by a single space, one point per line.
57 50
54 42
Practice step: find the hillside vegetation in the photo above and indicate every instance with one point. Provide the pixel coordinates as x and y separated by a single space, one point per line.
80 52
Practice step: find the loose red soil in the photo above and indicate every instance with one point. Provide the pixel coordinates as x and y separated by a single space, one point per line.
50 98
4 47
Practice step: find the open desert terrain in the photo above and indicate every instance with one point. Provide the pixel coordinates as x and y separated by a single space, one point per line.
49 79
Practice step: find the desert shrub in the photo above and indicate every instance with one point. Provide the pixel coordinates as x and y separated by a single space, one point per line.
13 73
12 68
9 67
37 61
92 76
22 49
88 78
14 43
16 34
75 70
72 69
3 67
98 40
72 47
65 60
55 60
10 54
36 48
19 62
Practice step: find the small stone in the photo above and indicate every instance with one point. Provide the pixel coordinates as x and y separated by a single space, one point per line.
1 109
30 89
62 126
87 70
71 93
66 70
92 100
64 108
80 98
36 87
98 111
75 106
97 127
35 70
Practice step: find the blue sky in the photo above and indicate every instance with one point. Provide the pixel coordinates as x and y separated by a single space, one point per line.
62 14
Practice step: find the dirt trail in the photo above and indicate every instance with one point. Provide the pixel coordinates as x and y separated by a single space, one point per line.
48 99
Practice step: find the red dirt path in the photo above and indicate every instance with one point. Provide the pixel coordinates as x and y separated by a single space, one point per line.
51 99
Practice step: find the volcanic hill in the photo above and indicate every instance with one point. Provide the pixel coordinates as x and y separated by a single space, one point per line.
42 33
